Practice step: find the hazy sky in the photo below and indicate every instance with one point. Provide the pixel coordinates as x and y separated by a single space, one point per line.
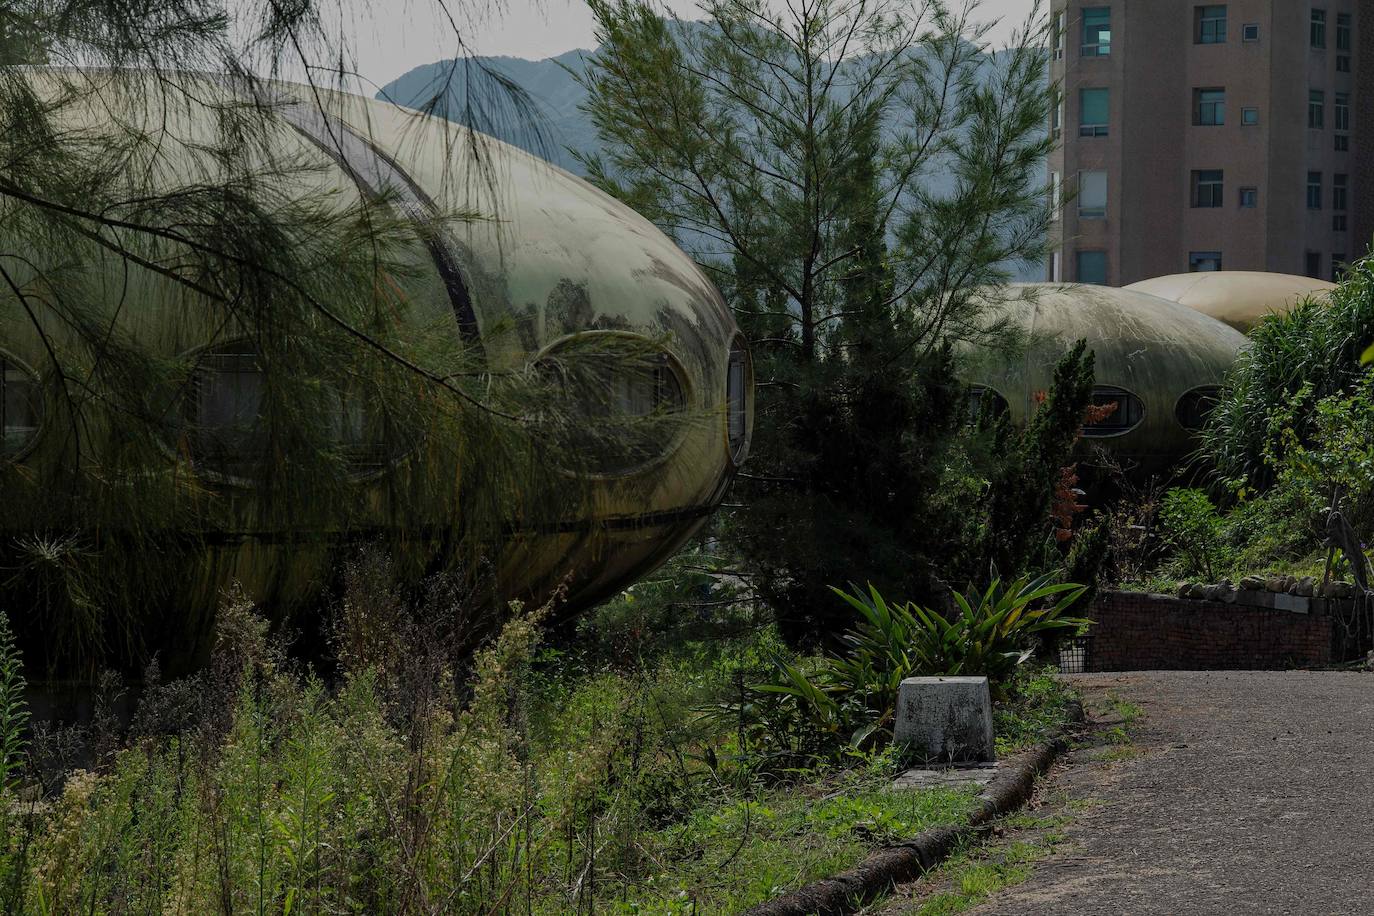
391 36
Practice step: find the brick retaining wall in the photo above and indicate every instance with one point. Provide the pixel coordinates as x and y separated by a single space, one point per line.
1135 631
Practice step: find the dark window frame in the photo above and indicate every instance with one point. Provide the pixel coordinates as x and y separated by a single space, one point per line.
1208 192
1214 107
1094 129
1129 414
1209 26
1096 47
1198 257
1078 266
1313 266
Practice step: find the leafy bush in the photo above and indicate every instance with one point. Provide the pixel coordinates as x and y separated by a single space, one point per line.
1315 347
1193 528
852 697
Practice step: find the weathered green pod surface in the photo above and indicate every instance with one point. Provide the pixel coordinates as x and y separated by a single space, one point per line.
1158 361
542 265
1239 298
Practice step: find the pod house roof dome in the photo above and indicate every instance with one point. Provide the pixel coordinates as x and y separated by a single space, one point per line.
495 265
1161 363
1240 298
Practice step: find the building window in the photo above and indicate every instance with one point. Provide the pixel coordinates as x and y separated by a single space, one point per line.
738 379
1342 143
1342 31
1340 111
1249 198
1092 267
1196 405
1249 31
1092 112
1059 35
1209 107
1339 185
1316 109
1337 267
1210 24
1092 195
1097 31
1056 194
1249 117
1057 118
1204 261
1056 266
1319 29
1207 188
1338 222
223 409
1129 412
1314 265
625 416
21 409
1314 190
1342 63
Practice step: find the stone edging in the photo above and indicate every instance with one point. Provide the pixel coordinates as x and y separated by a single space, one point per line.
846 892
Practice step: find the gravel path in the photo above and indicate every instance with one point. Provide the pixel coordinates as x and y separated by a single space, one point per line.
1251 792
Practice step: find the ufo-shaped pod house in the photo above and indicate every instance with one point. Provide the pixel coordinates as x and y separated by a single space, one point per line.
1160 363
542 267
1239 298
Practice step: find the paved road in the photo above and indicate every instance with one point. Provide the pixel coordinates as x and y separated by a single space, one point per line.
1253 792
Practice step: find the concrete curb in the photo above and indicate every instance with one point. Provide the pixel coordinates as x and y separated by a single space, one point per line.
892 865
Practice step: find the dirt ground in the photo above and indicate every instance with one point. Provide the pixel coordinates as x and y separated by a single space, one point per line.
1198 792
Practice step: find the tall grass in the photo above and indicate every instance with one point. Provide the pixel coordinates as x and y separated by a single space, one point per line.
406 787
1315 349
420 778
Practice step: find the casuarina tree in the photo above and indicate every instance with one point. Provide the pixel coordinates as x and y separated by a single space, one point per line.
852 175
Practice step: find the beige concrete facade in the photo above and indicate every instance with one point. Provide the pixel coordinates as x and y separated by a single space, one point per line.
1154 66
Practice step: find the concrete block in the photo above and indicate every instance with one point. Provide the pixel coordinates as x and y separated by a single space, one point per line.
1294 603
945 719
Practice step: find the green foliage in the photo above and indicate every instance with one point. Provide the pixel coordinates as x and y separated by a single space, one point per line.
14 711
525 783
1029 462
792 167
1317 455
848 700
1310 352
1038 702
1192 526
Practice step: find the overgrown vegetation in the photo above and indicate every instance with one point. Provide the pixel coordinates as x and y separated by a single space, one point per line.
1287 445
418 779
680 748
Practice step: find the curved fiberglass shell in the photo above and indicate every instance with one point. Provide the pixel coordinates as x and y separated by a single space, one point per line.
1152 359
549 265
1239 298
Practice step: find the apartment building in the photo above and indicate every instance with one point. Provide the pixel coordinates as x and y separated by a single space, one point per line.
1209 136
